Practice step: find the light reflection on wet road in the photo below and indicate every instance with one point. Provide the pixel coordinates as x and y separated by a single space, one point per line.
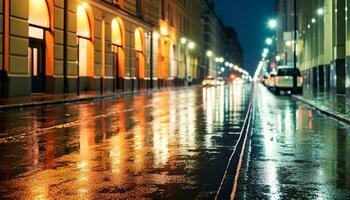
294 153
165 145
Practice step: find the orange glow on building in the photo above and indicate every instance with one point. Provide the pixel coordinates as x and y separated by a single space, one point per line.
140 53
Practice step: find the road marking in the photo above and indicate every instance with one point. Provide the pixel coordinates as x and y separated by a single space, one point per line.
245 129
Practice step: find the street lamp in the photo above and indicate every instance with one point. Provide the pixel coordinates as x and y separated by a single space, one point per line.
320 11
266 50
272 23
183 40
268 41
191 45
209 55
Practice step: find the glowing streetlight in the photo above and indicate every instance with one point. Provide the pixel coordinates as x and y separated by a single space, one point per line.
289 43
191 45
320 11
266 50
272 23
183 40
269 41
209 53
278 58
313 20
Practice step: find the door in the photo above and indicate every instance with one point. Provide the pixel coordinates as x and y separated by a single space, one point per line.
36 62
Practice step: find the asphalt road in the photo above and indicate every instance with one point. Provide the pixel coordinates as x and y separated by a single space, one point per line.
163 145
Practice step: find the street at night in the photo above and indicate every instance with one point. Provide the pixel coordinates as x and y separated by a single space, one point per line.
164 145
175 99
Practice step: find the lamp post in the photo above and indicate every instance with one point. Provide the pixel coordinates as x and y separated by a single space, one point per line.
184 42
209 55
295 48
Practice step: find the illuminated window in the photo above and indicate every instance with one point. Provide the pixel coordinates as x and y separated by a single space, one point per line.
83 24
83 58
39 13
116 33
138 40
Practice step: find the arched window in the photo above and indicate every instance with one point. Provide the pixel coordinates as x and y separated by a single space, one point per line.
39 13
39 18
83 22
139 46
84 37
117 36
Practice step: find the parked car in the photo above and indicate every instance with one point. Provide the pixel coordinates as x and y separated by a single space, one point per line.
209 82
220 81
283 81
270 80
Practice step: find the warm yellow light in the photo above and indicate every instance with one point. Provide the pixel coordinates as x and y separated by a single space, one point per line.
83 24
164 31
39 13
116 33
138 40
209 53
155 35
191 45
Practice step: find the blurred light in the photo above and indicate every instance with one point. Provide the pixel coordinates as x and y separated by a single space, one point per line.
313 20
222 60
320 11
191 45
217 60
266 50
155 35
278 58
227 64
272 23
183 40
269 41
264 55
209 53
231 65
289 43
308 26
164 30
222 69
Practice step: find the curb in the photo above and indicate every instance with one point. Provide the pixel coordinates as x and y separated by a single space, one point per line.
323 111
81 99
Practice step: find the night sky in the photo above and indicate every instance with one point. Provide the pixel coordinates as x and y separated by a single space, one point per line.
249 18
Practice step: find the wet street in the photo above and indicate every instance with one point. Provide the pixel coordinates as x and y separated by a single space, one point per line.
165 145
294 152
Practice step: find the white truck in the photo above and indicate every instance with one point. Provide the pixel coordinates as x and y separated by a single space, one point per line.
283 81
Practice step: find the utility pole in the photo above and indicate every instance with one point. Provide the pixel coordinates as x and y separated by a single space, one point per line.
295 90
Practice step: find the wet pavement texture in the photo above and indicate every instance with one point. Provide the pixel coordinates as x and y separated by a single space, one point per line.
329 101
294 152
164 145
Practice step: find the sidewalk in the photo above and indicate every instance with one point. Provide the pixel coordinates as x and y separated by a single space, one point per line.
336 106
50 99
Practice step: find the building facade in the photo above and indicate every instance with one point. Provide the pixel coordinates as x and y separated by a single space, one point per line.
323 42
219 41
57 46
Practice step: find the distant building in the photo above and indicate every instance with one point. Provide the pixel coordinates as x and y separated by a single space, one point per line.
221 41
